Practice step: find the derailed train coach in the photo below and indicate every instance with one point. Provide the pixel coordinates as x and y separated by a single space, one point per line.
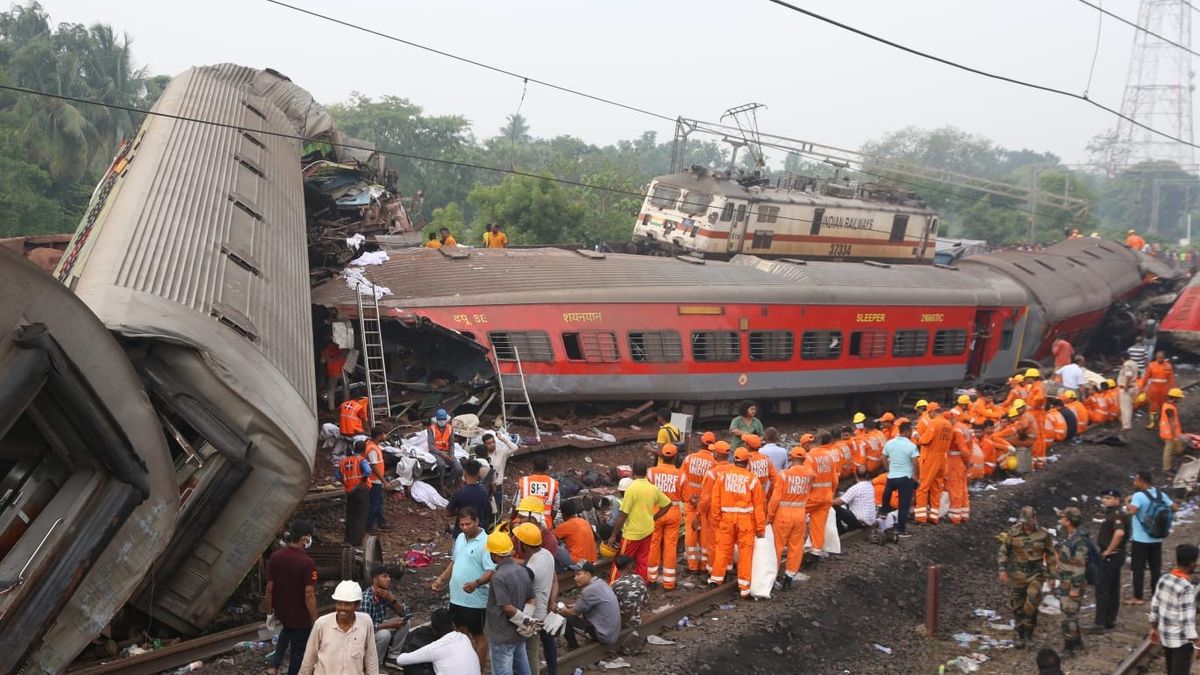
175 385
585 326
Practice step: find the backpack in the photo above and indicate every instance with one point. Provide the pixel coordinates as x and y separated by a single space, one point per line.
1158 518
1092 573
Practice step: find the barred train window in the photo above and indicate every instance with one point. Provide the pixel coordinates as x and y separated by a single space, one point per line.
592 346
868 344
655 346
533 345
910 343
821 345
771 345
664 196
716 346
949 342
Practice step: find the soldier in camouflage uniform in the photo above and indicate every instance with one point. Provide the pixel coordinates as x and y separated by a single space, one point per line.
1072 575
1026 560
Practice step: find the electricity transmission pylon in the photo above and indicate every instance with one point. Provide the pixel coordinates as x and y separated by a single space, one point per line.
1158 88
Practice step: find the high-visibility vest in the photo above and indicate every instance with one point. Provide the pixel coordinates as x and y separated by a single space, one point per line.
441 437
538 485
350 418
695 466
668 479
351 468
1169 428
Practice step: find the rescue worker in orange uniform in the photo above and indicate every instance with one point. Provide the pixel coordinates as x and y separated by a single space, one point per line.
983 408
708 522
872 441
845 449
542 485
1158 380
1170 430
1071 400
352 417
935 444
826 462
760 465
787 513
664 543
695 466
956 472
1017 389
738 499
887 426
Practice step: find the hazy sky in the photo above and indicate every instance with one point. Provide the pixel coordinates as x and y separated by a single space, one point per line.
692 58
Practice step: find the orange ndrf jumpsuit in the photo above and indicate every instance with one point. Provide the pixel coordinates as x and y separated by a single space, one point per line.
935 444
787 514
956 475
738 498
695 466
664 543
826 464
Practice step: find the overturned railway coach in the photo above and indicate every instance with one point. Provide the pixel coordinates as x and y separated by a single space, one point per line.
590 326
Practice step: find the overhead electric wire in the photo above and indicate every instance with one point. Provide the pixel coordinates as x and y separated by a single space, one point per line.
977 71
1139 27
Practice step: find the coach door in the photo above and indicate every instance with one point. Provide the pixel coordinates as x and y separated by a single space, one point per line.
980 340
737 229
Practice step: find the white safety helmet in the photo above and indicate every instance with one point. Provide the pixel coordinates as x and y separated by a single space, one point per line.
347 591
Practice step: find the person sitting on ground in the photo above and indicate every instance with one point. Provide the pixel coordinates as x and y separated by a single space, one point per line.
576 534
855 509
376 601
452 653
471 494
597 612
630 590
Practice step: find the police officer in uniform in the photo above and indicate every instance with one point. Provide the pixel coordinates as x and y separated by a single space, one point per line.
1072 575
1026 559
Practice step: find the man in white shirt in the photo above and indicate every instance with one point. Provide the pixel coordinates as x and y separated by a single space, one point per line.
771 448
855 509
1072 374
451 654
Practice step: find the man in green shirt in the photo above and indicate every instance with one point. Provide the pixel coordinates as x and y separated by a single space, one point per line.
746 422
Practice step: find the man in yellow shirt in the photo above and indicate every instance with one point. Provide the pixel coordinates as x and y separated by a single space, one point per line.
494 238
643 504
433 241
447 238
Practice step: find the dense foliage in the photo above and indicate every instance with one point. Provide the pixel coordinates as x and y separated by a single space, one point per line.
52 151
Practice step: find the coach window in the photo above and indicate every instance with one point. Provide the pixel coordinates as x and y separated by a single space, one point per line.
727 212
532 345
659 346
908 343
899 228
695 203
771 345
591 346
868 344
664 196
949 342
821 345
716 346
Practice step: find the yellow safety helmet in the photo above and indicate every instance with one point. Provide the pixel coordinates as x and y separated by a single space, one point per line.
1175 393
1033 372
963 399
1069 394
531 504
859 418
921 404
500 543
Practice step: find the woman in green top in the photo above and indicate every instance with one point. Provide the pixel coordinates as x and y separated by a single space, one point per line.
745 423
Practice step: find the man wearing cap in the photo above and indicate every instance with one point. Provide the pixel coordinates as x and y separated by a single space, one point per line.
664 543
1170 430
741 516
440 439
787 513
760 465
935 445
540 563
292 595
1110 539
773 450
342 643
1127 382
1072 553
695 467
507 626
467 575
900 460
642 506
708 520
1026 560
596 612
